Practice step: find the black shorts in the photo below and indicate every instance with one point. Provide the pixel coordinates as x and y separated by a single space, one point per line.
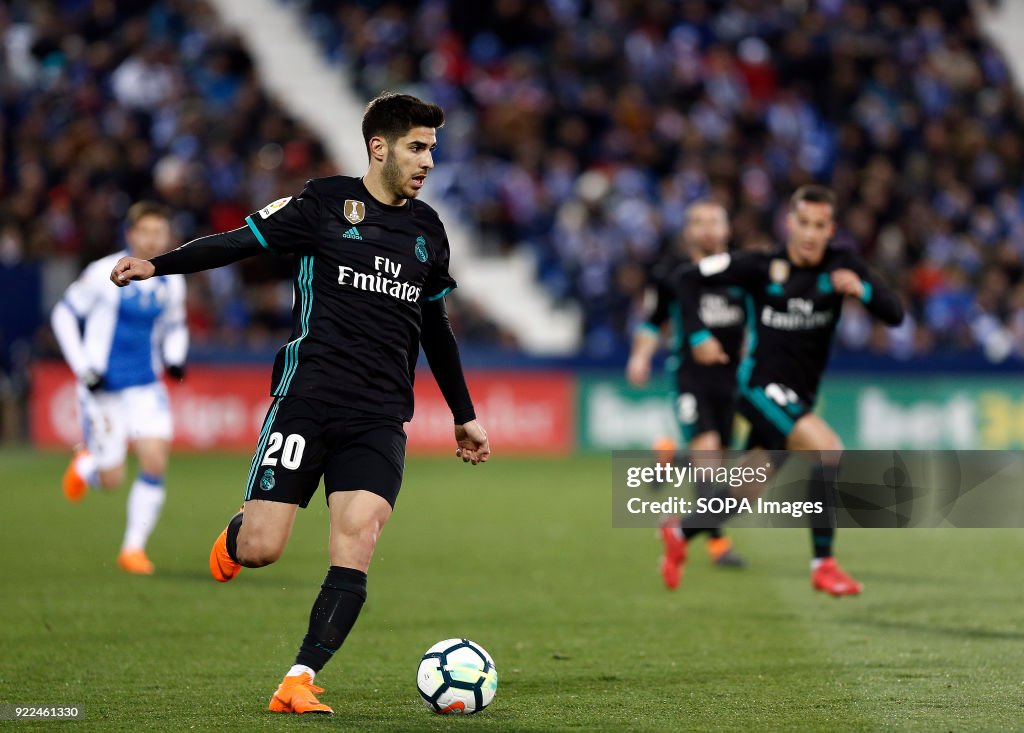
305 439
705 407
772 409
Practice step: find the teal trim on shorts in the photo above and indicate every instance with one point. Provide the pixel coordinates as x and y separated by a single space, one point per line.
699 337
775 414
261 447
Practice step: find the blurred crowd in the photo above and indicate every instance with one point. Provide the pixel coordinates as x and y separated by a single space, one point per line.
107 102
579 129
582 128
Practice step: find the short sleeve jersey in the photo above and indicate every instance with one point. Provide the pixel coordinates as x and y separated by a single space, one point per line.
361 270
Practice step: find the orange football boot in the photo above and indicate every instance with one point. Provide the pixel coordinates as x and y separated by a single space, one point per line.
297 694
74 485
722 554
135 562
222 567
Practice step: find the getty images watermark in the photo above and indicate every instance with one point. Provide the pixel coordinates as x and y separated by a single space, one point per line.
821 489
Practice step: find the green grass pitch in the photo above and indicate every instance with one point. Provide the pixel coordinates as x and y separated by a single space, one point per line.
518 555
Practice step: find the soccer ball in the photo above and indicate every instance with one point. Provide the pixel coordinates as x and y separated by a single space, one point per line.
457 676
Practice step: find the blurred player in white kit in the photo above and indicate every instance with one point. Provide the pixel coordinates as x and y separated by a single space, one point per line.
118 342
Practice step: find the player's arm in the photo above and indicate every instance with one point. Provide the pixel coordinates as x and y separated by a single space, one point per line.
66 327
744 269
647 337
286 226
82 304
204 253
856 281
442 354
174 343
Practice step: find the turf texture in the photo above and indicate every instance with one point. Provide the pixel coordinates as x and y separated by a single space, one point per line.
518 555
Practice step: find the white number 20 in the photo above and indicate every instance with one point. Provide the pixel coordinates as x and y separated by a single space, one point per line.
291 456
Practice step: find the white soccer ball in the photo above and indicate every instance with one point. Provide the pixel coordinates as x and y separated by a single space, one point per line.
457 676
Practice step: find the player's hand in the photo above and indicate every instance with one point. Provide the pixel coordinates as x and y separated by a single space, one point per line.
847 282
638 370
472 441
131 268
709 352
94 381
176 372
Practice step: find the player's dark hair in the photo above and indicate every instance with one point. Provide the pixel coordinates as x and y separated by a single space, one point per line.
391 115
690 207
813 193
141 209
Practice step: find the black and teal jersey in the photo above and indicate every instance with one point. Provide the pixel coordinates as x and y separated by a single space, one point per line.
361 269
723 315
792 311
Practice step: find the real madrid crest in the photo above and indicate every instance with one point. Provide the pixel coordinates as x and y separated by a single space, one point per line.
355 211
421 248
778 271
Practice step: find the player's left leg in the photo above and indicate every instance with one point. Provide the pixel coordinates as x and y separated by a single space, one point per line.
811 433
370 454
357 518
145 502
147 412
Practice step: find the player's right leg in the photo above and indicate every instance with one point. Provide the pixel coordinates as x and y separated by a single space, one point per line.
283 474
99 463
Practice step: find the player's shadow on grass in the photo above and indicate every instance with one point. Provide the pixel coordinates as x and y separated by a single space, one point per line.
202 575
921 627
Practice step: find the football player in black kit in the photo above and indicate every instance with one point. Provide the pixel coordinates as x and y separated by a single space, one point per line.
703 397
795 300
371 273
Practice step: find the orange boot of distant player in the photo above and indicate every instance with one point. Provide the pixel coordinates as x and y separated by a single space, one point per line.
297 694
722 554
222 567
75 483
664 449
135 561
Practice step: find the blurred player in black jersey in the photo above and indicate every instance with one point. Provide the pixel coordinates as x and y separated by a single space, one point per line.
371 273
703 396
795 300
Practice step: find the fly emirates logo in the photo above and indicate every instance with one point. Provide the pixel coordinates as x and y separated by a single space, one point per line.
798 316
383 280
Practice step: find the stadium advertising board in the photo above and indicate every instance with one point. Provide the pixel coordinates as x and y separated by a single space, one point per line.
879 413
223 408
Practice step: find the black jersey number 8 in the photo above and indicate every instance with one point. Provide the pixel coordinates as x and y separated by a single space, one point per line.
291 456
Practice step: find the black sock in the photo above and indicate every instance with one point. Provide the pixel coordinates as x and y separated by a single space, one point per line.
822 538
333 615
694 524
705 490
232 539
821 487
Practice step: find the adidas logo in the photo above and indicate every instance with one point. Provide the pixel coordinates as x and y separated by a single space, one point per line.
352 233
